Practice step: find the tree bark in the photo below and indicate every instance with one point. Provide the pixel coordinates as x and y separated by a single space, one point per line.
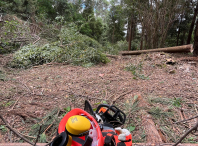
152 135
177 49
192 24
130 35
195 52
113 34
179 31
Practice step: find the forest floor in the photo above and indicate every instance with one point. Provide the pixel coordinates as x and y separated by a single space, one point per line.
34 96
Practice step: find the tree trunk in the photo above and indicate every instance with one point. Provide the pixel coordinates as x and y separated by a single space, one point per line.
178 36
128 31
177 49
195 52
183 40
142 38
152 135
192 24
130 35
179 31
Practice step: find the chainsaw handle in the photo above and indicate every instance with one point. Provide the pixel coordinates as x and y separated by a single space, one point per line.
100 106
117 113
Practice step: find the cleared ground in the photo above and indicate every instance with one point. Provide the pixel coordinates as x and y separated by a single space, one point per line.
171 89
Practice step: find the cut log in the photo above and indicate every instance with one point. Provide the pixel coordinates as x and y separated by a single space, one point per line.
176 49
134 144
152 135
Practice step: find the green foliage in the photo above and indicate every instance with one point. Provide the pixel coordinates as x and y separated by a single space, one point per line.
90 26
131 128
45 10
67 109
163 101
43 138
135 45
114 49
158 113
6 103
136 71
12 32
116 24
177 102
50 119
3 128
73 48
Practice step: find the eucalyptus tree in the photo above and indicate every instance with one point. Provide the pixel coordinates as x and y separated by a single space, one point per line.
195 5
195 52
156 17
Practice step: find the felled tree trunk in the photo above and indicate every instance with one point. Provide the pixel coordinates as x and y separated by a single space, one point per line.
177 49
152 135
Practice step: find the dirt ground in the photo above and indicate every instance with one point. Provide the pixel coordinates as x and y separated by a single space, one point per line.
170 88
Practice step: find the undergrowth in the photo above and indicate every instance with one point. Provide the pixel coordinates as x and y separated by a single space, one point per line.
72 48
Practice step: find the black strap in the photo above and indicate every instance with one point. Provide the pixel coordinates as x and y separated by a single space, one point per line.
78 140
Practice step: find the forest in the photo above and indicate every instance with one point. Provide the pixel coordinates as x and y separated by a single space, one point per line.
35 26
55 54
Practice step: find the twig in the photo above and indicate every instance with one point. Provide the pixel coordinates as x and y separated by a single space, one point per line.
121 96
16 131
182 120
186 134
26 86
52 122
36 40
38 135
15 103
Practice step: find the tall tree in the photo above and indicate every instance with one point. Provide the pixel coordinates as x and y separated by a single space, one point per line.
195 52
91 26
155 17
116 23
192 24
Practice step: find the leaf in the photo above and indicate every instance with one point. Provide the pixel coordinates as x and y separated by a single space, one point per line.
43 138
104 102
131 128
135 97
97 103
3 128
67 109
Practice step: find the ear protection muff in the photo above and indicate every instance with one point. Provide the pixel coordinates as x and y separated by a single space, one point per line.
60 140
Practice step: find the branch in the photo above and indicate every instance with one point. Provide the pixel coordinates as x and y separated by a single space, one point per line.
186 134
183 120
123 94
9 127
38 135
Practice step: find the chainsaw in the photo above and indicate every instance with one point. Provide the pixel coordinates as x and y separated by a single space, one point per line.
88 128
